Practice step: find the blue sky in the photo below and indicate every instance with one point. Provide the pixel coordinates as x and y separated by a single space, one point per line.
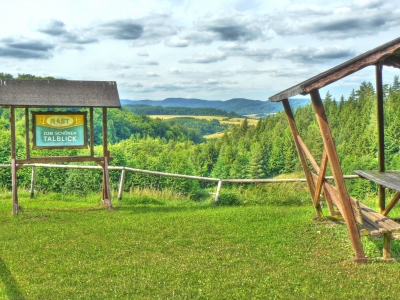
214 50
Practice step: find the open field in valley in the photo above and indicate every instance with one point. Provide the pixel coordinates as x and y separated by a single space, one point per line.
222 120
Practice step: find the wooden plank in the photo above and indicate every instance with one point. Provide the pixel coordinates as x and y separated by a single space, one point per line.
380 220
303 161
27 137
380 117
265 180
328 199
91 132
121 184
321 179
347 210
107 198
389 179
32 189
219 186
14 183
333 196
308 154
58 159
387 245
371 229
381 132
106 153
368 223
391 204
355 204
333 193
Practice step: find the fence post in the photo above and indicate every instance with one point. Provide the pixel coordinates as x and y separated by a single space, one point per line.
121 184
217 193
32 191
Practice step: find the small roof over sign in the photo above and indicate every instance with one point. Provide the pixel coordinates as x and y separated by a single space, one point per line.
388 54
59 93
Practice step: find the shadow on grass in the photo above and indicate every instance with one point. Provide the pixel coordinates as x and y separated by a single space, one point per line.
11 286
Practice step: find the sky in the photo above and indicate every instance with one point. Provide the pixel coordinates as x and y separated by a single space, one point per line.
205 49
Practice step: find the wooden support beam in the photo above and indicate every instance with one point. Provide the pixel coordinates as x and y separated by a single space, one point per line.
32 190
107 199
387 246
121 184
392 61
27 136
308 154
391 204
14 184
55 159
329 146
328 199
320 180
219 186
106 153
91 132
303 160
381 132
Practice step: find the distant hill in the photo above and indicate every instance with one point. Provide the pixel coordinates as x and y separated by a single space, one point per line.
150 110
240 106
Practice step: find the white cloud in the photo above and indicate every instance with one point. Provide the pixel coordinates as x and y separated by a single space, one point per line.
142 53
341 21
207 49
204 58
149 62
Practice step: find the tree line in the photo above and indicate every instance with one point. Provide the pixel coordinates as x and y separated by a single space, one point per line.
178 110
262 151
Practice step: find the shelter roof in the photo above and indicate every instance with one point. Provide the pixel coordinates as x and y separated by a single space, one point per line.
59 93
388 54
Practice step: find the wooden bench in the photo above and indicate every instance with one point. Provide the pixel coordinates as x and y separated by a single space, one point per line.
378 223
374 223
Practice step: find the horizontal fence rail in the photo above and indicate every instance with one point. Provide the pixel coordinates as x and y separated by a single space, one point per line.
124 169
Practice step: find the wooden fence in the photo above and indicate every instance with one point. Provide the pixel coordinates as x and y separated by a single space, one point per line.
124 169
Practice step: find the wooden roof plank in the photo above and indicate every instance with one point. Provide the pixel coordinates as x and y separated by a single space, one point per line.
388 50
59 93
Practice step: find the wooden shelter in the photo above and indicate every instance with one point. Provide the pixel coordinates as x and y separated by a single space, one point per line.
27 94
355 214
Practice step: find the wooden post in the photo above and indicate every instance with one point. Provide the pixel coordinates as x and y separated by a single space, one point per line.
333 159
27 137
32 191
14 188
121 184
321 179
303 160
387 245
219 186
106 154
381 132
91 132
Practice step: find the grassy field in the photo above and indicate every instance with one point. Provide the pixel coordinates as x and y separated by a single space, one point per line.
222 120
62 247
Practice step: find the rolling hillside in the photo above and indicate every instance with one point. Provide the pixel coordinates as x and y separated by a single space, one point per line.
240 106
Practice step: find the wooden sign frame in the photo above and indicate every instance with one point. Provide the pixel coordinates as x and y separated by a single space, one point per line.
62 130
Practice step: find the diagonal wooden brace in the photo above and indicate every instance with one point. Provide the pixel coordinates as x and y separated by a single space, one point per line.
308 153
320 181
391 204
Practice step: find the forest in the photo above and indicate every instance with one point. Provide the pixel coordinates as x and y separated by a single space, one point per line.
178 110
262 151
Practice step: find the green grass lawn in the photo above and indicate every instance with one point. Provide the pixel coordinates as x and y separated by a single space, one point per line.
71 248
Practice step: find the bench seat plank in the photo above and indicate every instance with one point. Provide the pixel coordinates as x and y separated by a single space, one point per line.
380 220
389 179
